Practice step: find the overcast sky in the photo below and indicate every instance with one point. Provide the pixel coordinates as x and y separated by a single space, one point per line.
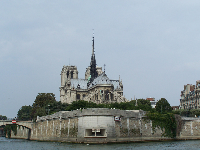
152 44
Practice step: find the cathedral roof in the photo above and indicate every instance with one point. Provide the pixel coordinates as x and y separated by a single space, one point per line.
79 83
103 79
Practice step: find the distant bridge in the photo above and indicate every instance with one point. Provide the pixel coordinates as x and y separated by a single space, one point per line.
26 124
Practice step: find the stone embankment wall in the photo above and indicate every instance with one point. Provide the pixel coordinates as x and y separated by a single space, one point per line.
22 133
190 128
102 126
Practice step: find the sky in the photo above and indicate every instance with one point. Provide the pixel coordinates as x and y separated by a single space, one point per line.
153 45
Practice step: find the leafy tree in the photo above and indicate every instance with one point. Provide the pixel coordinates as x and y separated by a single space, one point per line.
24 113
163 106
39 112
55 107
3 117
144 104
42 100
81 104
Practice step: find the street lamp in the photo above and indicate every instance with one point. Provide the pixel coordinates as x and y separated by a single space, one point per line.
48 109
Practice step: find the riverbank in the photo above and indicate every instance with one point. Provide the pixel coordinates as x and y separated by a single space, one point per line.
102 125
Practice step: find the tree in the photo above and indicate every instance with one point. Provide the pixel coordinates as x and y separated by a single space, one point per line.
24 113
42 100
163 106
3 117
55 107
144 104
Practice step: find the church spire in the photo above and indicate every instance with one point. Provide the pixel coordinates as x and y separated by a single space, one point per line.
93 70
93 45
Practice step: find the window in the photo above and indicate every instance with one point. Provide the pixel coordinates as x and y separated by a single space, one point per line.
78 96
67 74
72 74
106 95
95 133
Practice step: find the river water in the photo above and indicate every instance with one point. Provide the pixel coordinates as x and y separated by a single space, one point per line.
18 144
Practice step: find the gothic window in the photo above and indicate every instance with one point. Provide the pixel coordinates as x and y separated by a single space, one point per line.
111 96
106 95
67 74
78 96
72 74
83 95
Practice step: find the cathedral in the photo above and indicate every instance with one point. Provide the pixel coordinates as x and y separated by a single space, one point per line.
96 87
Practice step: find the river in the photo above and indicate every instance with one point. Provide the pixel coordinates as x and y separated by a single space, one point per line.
18 144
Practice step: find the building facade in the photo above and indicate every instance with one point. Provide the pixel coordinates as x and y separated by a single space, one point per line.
95 87
190 96
152 101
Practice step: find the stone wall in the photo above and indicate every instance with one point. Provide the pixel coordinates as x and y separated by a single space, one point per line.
190 128
22 133
55 129
101 126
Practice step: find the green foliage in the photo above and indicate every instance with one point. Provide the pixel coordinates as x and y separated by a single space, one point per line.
41 101
3 117
187 113
163 118
40 112
166 122
55 107
142 104
10 127
24 113
45 104
163 106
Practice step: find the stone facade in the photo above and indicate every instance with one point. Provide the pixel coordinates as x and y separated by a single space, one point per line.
96 87
190 96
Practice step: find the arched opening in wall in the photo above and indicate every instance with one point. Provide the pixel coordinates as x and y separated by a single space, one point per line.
106 95
2 132
111 96
72 74
78 96
83 95
67 74
29 134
